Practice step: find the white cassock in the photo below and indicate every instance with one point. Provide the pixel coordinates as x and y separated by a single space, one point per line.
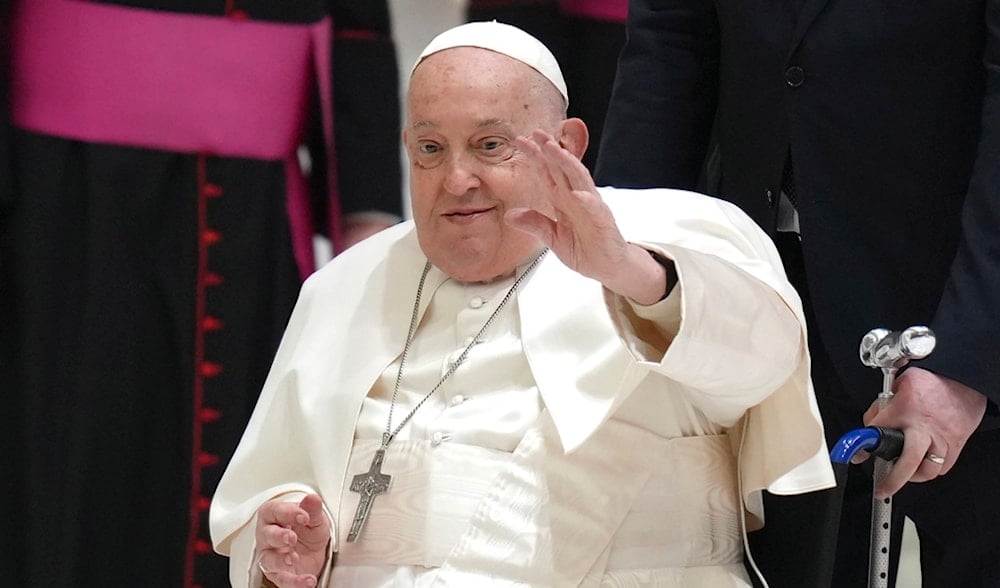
585 441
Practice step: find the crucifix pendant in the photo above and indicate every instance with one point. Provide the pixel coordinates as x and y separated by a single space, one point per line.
369 484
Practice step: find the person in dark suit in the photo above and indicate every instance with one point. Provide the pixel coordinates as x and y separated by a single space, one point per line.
865 137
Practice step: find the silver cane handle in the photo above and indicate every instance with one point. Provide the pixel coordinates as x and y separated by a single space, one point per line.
885 349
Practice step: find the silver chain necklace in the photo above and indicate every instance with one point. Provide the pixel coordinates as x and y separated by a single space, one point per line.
373 482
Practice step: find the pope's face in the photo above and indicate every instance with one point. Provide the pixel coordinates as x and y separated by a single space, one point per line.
465 107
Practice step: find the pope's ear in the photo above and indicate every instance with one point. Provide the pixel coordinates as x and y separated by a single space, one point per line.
574 136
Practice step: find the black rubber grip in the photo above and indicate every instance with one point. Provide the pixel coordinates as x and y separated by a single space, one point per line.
890 444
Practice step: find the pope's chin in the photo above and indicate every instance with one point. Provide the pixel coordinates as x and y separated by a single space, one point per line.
470 258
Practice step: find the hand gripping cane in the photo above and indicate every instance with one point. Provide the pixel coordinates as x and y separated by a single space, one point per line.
889 351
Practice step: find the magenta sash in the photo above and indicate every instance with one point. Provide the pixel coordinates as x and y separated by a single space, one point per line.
613 11
174 82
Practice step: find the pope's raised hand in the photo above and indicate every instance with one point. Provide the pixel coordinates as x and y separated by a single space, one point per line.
292 540
579 227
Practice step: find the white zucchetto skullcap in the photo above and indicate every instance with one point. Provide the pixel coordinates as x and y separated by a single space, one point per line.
504 39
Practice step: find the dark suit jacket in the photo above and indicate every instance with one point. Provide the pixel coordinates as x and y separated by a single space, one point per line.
891 112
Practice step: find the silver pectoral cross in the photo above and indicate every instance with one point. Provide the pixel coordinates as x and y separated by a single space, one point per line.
369 484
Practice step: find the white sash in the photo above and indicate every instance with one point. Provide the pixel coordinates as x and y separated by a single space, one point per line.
550 518
628 506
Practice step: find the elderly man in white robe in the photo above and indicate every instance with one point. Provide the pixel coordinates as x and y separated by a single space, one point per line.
536 382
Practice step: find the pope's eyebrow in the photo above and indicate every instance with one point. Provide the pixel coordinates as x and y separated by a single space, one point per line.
489 122
492 122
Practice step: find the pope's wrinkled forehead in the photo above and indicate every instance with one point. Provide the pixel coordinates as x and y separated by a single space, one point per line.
504 39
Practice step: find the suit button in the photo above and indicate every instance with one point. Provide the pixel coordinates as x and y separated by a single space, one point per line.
770 197
795 76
